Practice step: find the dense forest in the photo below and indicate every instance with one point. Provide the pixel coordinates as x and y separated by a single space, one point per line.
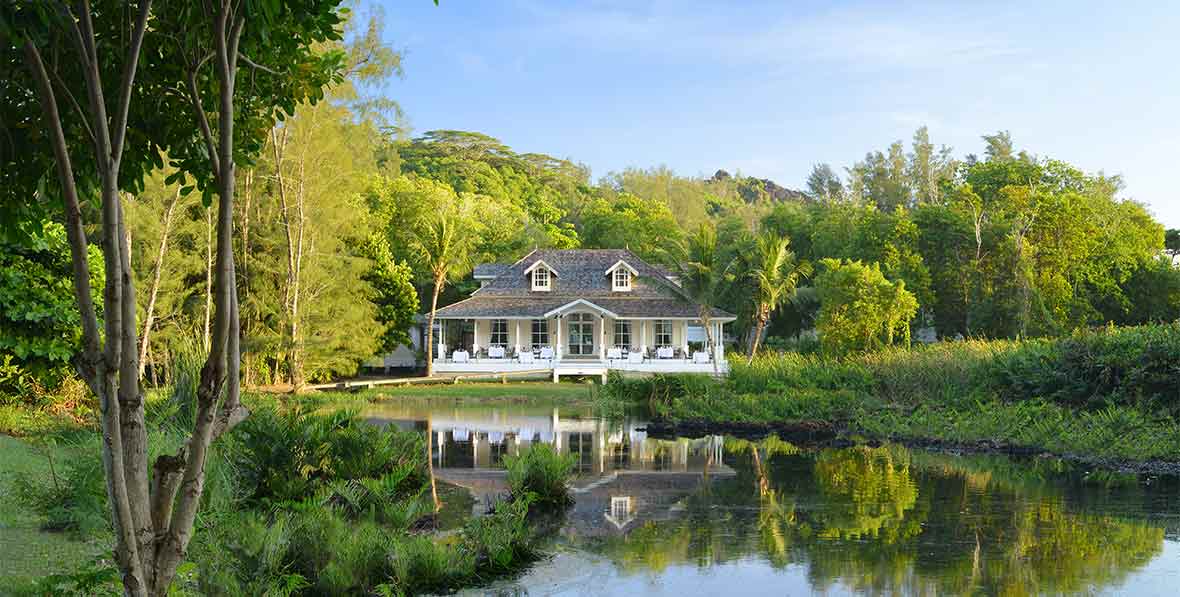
330 268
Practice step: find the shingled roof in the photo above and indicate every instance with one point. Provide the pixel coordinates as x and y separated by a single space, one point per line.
579 274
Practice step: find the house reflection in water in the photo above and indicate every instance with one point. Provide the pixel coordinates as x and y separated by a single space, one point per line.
624 477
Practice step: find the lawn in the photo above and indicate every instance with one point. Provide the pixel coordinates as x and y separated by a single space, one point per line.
528 390
27 552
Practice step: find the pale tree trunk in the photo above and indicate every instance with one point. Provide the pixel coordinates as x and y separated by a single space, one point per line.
247 369
438 284
205 336
294 230
157 269
176 510
108 364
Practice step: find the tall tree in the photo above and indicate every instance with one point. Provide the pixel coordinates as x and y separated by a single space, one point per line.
704 271
824 185
443 241
775 274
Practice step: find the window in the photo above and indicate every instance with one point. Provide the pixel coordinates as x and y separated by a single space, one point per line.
620 507
623 333
540 279
540 332
499 333
663 328
622 279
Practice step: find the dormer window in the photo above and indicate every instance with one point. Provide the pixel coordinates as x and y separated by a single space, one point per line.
542 276
541 279
620 275
622 279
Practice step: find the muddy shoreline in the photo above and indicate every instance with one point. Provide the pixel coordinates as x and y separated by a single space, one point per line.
823 434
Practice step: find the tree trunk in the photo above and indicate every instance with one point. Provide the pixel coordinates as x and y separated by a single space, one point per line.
759 325
248 369
438 283
154 291
705 321
294 260
206 340
172 509
108 364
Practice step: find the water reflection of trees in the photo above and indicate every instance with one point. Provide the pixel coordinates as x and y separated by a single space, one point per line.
883 520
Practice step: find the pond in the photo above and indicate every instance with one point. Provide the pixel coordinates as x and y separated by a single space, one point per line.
721 515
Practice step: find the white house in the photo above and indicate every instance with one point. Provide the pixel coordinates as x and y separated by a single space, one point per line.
577 312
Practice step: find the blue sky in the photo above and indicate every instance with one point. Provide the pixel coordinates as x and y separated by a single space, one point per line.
770 88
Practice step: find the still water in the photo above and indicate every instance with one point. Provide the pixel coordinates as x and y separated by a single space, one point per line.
720 515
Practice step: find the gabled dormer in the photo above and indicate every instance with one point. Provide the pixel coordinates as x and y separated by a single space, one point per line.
621 276
541 276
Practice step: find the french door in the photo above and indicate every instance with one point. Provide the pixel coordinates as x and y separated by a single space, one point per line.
581 328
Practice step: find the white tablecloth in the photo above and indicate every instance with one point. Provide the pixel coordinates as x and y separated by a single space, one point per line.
700 357
496 352
665 352
614 353
460 356
635 357
546 353
526 357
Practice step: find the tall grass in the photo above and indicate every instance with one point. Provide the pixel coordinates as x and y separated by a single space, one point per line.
540 474
1109 392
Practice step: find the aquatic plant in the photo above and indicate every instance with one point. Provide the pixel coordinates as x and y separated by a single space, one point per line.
540 474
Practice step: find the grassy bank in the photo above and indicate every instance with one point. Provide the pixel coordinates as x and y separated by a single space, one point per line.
1112 393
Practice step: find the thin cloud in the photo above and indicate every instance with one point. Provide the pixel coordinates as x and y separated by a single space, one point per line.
867 38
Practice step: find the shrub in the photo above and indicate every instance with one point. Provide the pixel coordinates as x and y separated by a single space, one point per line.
540 474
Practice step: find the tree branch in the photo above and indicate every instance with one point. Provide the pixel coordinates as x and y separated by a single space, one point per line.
253 64
127 84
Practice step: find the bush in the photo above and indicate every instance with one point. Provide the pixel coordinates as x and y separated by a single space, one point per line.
539 474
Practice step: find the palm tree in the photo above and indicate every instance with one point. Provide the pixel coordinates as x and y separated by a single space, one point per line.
775 274
704 272
443 243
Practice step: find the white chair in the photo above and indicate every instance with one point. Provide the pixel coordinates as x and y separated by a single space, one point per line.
526 356
635 357
496 352
546 353
460 356
700 356
614 354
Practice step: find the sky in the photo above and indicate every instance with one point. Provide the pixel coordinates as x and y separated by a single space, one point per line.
770 88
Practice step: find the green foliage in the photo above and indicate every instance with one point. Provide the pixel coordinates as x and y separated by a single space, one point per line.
285 457
40 330
540 474
861 310
645 227
394 294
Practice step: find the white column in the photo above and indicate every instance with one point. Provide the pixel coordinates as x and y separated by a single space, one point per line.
601 337
475 337
642 336
684 337
719 347
517 336
557 350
